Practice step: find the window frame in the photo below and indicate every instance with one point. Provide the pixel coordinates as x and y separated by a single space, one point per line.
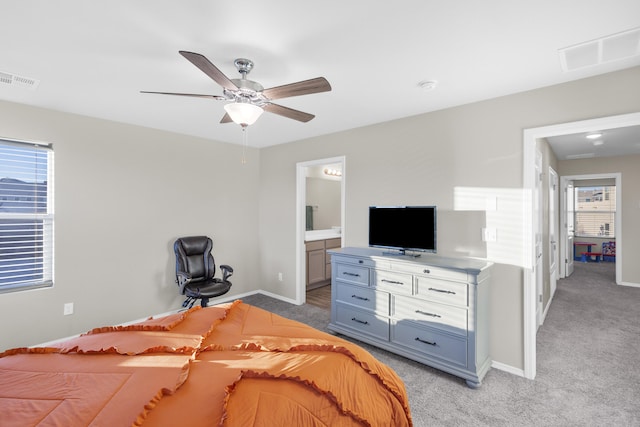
44 221
581 210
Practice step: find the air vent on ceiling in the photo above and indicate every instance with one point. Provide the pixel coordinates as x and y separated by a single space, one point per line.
18 81
580 156
606 49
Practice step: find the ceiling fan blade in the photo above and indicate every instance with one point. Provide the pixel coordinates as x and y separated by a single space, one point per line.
226 118
319 84
186 94
288 112
209 69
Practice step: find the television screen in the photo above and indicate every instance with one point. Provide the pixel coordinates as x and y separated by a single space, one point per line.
405 228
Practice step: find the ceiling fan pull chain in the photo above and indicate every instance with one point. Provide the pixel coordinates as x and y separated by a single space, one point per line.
244 144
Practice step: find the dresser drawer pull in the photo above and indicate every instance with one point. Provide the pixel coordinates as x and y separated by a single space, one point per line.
425 341
425 271
442 290
360 298
428 314
393 282
346 273
364 322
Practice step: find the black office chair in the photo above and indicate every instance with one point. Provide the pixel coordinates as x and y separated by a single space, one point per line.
195 271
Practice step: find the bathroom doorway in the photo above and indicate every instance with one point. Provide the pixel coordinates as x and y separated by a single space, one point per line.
321 227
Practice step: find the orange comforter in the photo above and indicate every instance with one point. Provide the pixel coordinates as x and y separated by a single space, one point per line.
228 365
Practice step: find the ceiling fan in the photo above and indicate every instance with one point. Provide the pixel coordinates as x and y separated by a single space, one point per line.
248 98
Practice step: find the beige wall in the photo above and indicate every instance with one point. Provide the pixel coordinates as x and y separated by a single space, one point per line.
421 160
122 196
628 247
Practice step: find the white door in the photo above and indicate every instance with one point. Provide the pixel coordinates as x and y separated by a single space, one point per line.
537 209
553 230
567 224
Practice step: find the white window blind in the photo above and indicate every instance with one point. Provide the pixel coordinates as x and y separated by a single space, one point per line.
595 211
26 216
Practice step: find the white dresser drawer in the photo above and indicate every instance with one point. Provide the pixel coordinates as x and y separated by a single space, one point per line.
430 271
365 322
447 347
393 281
366 298
352 274
365 262
440 316
444 291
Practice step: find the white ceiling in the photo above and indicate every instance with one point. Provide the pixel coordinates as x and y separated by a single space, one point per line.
93 58
613 142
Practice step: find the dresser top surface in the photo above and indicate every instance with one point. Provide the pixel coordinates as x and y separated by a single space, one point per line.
470 265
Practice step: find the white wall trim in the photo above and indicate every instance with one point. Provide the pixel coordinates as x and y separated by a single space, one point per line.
301 191
530 136
276 296
618 218
507 368
633 285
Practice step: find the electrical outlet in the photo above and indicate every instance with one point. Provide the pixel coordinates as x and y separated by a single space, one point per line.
68 309
280 277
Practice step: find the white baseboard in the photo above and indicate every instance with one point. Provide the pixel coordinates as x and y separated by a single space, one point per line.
633 285
507 368
232 298
278 297
246 294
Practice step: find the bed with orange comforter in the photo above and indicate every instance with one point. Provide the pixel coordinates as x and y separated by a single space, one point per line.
227 365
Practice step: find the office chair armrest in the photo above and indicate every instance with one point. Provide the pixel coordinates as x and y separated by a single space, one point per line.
227 271
183 278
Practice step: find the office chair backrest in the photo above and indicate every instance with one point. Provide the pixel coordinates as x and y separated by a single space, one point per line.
194 257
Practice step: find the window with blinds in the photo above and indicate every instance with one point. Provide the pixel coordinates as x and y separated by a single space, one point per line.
595 211
26 215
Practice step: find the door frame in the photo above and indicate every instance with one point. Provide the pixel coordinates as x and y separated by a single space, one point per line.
554 267
301 197
618 217
538 245
566 245
530 137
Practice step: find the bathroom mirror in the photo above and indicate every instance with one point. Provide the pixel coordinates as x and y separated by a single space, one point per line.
323 198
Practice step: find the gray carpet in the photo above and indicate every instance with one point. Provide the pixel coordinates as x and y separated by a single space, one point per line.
588 371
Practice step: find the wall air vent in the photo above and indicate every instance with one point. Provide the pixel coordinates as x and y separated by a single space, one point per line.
18 81
606 49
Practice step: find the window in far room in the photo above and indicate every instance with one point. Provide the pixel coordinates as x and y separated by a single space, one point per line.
26 215
595 211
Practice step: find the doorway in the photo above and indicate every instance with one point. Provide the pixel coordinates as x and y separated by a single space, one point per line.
569 183
530 138
302 170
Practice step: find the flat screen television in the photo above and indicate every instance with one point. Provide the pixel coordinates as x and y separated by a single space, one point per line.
403 228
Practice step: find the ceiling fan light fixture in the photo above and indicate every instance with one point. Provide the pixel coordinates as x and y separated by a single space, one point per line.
243 113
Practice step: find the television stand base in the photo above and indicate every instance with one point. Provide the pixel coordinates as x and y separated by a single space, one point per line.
401 252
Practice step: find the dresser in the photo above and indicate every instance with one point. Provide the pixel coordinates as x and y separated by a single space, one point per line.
430 309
